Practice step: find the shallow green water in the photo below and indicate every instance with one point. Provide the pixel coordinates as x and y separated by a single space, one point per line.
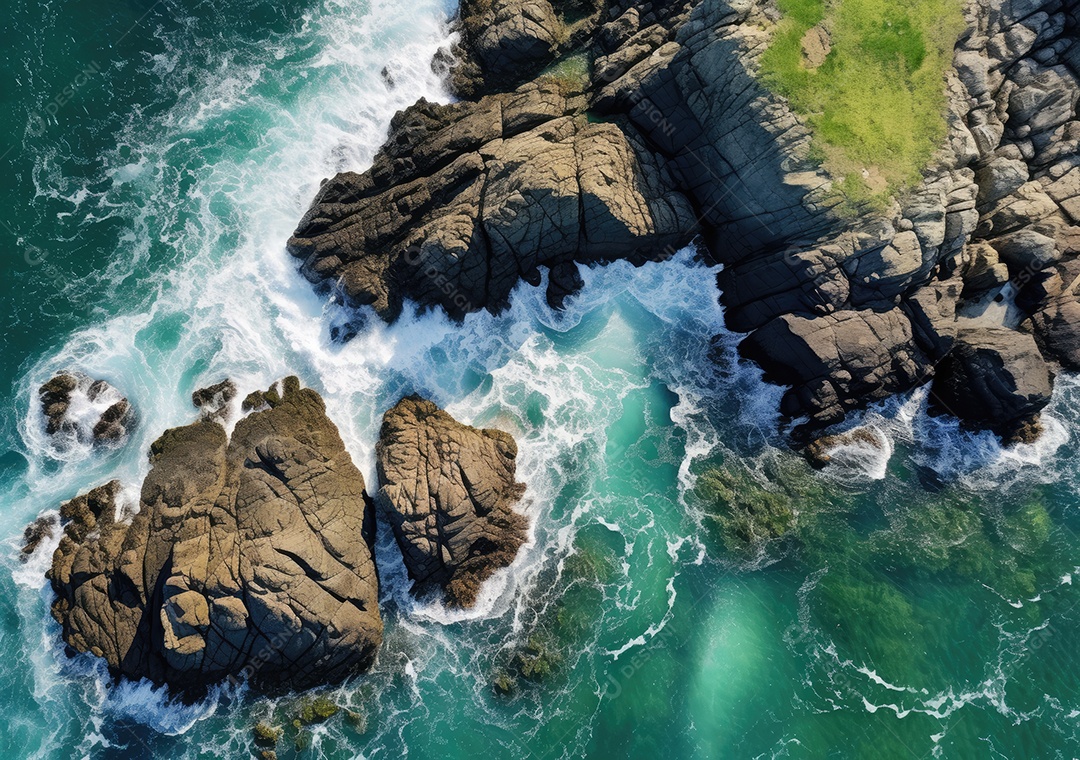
923 605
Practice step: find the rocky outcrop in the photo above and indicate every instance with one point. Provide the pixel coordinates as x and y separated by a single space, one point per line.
448 492
669 135
820 453
997 379
55 398
466 200
249 557
77 406
214 400
838 362
1053 300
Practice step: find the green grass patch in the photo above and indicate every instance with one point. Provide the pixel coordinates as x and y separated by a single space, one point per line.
877 103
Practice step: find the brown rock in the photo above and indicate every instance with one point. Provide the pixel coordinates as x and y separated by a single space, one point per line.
507 42
656 108
55 398
112 425
213 401
448 492
466 200
840 361
249 558
816 46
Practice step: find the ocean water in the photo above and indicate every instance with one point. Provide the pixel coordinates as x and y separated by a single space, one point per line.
158 156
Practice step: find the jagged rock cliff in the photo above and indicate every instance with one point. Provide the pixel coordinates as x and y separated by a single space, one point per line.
671 137
249 557
466 200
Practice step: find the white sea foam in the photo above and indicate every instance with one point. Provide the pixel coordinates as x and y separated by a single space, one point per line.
150 705
230 303
858 459
976 460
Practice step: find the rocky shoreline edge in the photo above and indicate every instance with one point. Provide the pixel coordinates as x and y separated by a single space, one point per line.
591 131
586 132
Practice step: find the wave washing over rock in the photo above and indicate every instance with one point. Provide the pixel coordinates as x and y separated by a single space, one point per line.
667 136
79 408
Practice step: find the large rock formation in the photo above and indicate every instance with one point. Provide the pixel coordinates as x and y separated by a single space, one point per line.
448 492
80 407
995 217
249 557
683 73
669 134
466 200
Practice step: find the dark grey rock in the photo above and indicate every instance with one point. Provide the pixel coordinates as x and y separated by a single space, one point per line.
994 378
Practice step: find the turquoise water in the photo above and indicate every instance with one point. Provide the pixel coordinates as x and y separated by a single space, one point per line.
924 605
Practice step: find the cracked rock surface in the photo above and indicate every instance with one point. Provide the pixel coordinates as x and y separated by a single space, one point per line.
448 492
671 137
466 200
249 556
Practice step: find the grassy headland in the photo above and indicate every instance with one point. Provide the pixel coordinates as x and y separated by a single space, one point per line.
876 102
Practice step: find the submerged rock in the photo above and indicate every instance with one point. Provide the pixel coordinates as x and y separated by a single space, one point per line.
820 452
250 557
747 514
61 399
448 492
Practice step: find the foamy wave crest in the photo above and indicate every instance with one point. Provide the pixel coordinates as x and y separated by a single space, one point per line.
977 460
861 457
153 706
